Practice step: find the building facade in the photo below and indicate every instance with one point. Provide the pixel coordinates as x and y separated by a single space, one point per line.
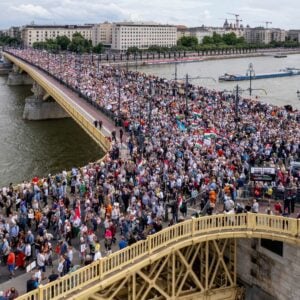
260 35
294 35
142 35
102 33
40 33
202 31
14 32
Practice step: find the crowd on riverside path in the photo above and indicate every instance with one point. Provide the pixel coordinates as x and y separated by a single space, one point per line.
199 154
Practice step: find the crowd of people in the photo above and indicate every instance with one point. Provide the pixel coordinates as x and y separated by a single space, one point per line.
192 148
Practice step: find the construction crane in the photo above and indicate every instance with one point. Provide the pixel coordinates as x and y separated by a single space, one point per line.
237 20
267 23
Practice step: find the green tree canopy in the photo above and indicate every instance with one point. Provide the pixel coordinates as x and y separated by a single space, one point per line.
188 41
63 42
99 48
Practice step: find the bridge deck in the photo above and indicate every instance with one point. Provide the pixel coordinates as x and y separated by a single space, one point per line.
71 98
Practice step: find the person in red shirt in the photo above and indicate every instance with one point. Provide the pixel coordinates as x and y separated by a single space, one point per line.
11 260
278 208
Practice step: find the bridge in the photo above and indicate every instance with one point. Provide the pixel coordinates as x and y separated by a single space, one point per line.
81 111
195 259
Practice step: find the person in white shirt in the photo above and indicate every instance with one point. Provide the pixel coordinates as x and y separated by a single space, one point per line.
98 254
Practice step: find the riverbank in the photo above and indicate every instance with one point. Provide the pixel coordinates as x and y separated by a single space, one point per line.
197 58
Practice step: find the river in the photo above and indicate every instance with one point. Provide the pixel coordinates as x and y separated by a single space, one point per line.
280 91
37 148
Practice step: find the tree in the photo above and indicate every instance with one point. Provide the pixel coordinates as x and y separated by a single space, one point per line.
11 41
217 38
63 41
188 41
230 39
80 44
133 50
99 48
207 40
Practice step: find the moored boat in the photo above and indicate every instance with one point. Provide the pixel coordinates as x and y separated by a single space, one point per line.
282 73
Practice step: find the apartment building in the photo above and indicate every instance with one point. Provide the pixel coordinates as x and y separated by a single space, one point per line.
142 35
260 35
102 33
203 31
14 32
182 31
294 35
40 33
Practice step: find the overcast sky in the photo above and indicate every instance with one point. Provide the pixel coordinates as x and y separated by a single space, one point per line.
283 14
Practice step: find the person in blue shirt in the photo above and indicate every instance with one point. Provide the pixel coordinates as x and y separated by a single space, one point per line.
123 243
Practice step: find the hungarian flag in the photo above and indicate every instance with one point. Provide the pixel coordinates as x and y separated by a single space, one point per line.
196 113
198 144
210 134
194 124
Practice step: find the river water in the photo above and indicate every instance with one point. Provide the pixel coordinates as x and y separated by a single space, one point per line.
37 148
280 91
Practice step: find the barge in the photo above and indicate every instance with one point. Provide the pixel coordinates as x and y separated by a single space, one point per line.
283 73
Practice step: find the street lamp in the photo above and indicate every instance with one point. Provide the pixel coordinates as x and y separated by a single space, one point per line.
236 94
236 106
187 78
151 94
119 97
250 73
176 63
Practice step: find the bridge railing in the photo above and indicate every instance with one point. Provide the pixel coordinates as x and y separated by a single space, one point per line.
280 227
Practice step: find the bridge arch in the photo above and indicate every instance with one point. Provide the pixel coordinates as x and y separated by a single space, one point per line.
212 238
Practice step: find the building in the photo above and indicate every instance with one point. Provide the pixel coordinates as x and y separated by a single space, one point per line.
3 32
102 33
142 35
182 31
294 35
40 33
261 35
203 31
200 33
14 32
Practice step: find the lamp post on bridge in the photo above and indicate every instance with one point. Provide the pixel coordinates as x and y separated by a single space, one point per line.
151 94
236 94
187 78
118 119
251 74
175 74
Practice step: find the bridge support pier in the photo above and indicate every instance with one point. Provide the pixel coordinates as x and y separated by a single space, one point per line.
40 106
18 77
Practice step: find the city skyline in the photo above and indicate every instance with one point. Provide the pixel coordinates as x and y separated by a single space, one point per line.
189 12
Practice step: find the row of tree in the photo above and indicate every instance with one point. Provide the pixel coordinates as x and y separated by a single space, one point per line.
63 43
9 41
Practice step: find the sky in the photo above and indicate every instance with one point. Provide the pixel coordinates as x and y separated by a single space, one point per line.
282 14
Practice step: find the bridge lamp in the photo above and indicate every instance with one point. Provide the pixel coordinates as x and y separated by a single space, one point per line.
251 74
